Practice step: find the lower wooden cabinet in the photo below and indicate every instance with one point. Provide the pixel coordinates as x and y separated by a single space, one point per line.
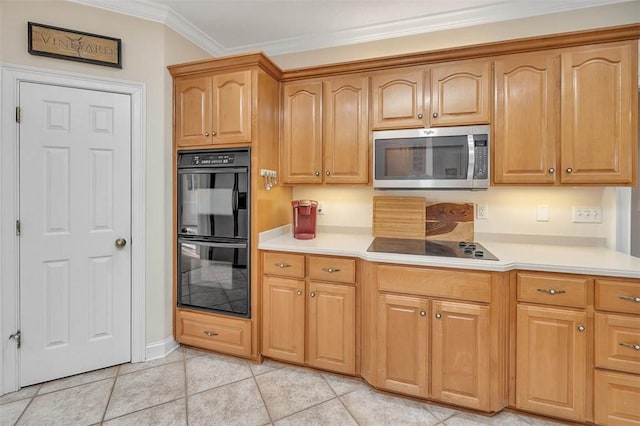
214 332
616 398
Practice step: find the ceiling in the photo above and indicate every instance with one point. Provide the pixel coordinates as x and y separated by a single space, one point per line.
223 27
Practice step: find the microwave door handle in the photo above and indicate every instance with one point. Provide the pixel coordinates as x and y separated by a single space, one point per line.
472 157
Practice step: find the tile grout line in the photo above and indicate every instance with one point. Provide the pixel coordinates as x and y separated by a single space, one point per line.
266 407
186 392
27 406
339 398
115 379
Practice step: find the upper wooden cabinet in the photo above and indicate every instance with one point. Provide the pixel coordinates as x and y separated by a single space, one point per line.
213 109
567 117
325 136
458 94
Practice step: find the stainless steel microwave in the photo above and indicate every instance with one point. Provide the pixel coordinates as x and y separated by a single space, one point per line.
437 158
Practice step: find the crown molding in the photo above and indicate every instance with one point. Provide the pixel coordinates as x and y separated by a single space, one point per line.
500 11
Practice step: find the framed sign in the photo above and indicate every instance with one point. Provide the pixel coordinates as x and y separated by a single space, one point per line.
54 42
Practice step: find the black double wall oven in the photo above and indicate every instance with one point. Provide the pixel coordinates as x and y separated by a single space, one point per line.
214 231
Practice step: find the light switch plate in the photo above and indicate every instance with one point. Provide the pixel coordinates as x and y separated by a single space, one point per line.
542 213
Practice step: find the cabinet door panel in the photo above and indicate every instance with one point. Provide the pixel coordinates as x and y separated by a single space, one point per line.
403 353
460 93
346 130
616 399
599 114
460 350
192 111
301 149
397 99
232 107
551 362
283 307
331 327
526 132
617 337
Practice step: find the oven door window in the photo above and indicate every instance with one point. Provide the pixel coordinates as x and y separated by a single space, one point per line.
213 204
213 277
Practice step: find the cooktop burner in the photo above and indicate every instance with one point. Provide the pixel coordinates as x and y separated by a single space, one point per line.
460 249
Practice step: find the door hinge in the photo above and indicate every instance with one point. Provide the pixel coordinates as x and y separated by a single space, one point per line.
18 338
18 228
17 114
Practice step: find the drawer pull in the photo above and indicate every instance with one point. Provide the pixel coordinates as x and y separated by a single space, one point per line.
210 333
552 291
282 265
331 270
635 347
632 299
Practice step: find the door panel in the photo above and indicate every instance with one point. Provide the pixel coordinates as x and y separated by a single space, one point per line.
75 285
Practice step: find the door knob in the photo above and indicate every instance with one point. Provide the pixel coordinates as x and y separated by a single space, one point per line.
121 242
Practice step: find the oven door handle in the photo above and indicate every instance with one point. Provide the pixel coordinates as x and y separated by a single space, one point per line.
213 170
212 244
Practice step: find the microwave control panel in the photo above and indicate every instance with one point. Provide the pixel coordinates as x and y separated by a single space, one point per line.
481 169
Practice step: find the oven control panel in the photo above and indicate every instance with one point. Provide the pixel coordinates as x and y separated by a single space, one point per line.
213 158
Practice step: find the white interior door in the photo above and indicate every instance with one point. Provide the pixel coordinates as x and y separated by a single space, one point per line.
75 202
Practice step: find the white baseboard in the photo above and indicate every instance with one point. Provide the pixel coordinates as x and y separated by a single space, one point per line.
161 349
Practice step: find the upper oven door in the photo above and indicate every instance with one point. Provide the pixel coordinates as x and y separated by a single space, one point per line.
213 202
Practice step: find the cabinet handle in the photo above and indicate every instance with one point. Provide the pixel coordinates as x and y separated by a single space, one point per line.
210 333
581 327
552 170
213 133
438 315
206 133
435 115
327 173
569 170
632 299
420 116
635 347
317 173
331 270
282 265
551 292
423 313
312 294
299 292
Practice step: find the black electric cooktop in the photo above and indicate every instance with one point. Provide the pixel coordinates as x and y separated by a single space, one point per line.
459 249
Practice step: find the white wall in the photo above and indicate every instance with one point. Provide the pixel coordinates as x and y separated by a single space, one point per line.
147 48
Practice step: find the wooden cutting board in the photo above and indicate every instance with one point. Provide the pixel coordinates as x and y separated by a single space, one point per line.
399 217
450 221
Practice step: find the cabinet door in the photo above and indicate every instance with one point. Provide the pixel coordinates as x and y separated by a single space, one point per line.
398 99
403 353
192 111
460 354
599 114
460 93
283 305
526 125
301 148
231 107
331 327
346 130
616 397
551 361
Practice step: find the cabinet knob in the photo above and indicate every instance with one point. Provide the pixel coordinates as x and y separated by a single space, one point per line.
312 294
634 346
581 328
299 292
552 170
317 173
423 313
569 170
213 133
551 291
327 173
420 116
631 299
210 333
435 115
206 133
438 315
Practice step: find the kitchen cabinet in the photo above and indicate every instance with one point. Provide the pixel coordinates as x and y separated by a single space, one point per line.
551 345
458 94
213 109
434 335
567 116
214 332
310 318
325 136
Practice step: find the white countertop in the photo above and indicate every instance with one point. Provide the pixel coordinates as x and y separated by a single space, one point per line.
534 257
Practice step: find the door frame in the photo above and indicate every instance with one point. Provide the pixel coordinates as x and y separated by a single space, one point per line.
10 78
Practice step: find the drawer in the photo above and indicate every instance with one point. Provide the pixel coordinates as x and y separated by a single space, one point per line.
473 286
334 269
553 289
618 296
618 342
284 264
224 334
616 397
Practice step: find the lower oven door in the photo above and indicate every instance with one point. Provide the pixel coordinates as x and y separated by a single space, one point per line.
214 276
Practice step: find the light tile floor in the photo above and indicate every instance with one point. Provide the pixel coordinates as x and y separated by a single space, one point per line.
191 387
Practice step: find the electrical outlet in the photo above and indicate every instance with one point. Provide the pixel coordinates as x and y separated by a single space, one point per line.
542 213
585 214
320 209
482 211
